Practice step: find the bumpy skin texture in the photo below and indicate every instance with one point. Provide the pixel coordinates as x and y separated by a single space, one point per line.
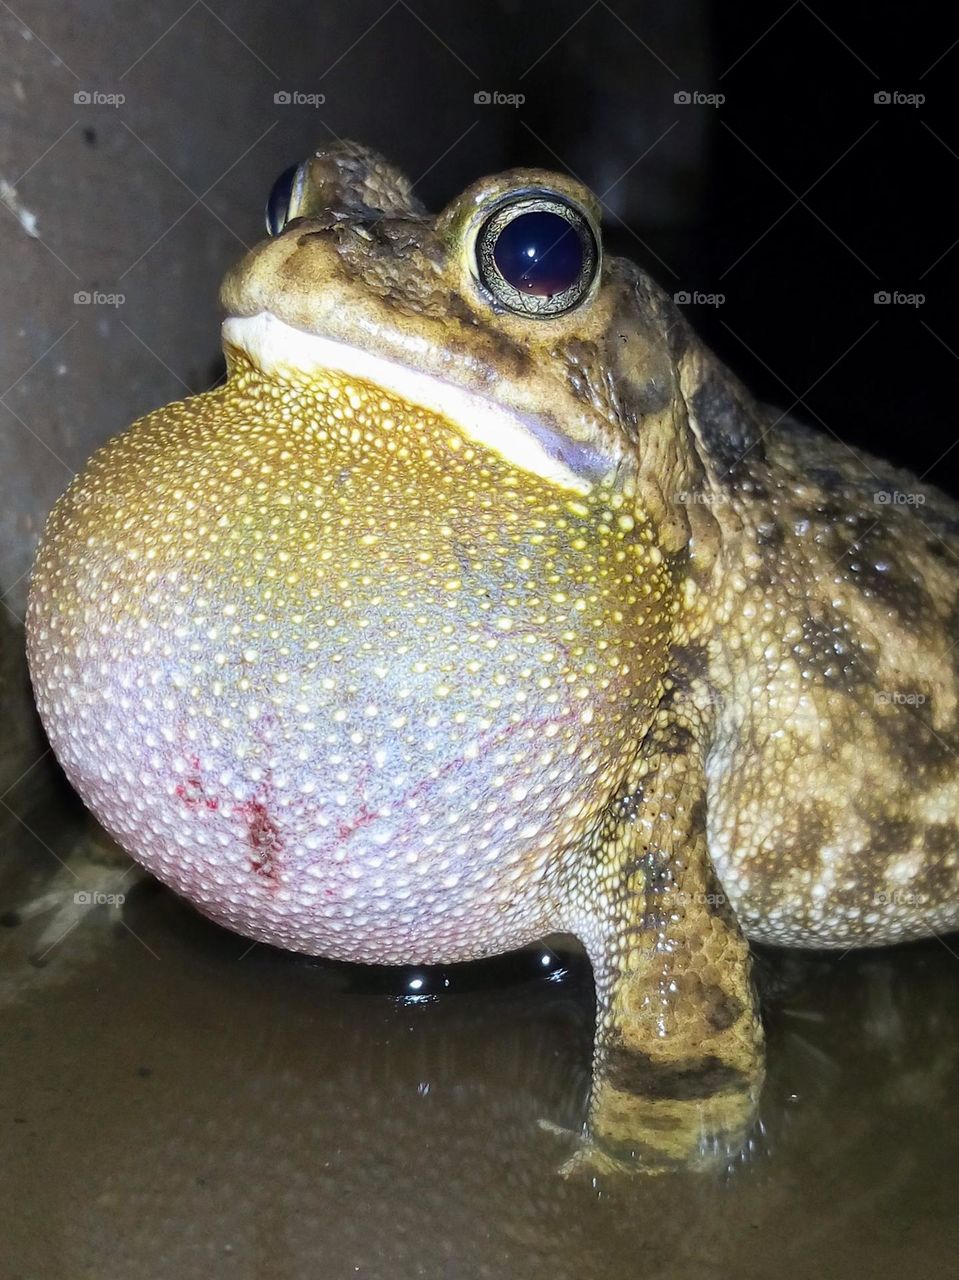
362 683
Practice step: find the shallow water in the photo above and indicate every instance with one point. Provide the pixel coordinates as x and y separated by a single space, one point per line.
177 1102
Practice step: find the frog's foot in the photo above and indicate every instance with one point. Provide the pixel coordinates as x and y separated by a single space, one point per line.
693 1129
643 1135
590 1158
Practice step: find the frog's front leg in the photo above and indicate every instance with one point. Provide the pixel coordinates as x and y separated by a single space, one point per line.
678 1061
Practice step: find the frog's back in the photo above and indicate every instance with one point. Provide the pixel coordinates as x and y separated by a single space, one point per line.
834 772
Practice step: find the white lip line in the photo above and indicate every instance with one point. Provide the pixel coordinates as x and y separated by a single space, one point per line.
275 345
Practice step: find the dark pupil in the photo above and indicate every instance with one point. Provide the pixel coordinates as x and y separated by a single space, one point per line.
539 253
278 204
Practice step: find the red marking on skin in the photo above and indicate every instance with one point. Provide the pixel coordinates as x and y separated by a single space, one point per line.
263 837
192 791
365 815
491 739
262 833
362 819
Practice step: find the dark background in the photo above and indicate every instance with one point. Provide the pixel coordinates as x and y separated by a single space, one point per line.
799 272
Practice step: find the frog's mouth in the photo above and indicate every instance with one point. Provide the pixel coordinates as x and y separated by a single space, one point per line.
524 440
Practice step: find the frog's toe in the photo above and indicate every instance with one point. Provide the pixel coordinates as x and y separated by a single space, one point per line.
558 1130
591 1159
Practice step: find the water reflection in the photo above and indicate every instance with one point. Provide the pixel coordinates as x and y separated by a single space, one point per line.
181 1102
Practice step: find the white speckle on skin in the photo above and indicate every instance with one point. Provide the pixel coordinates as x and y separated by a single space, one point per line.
319 770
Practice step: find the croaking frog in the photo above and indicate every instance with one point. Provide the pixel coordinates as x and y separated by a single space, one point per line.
483 602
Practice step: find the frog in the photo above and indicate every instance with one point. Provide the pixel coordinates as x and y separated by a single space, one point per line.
481 603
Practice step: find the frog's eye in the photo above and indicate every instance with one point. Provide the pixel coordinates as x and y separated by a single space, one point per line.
278 204
537 254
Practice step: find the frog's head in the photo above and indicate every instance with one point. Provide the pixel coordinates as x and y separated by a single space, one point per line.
500 317
354 648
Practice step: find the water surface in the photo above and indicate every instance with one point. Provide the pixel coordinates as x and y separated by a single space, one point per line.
175 1102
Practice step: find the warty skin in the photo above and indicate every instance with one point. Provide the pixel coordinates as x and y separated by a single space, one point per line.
438 628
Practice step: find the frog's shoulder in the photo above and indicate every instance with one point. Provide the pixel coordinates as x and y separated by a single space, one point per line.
841 482
846 531
815 515
728 425
755 455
